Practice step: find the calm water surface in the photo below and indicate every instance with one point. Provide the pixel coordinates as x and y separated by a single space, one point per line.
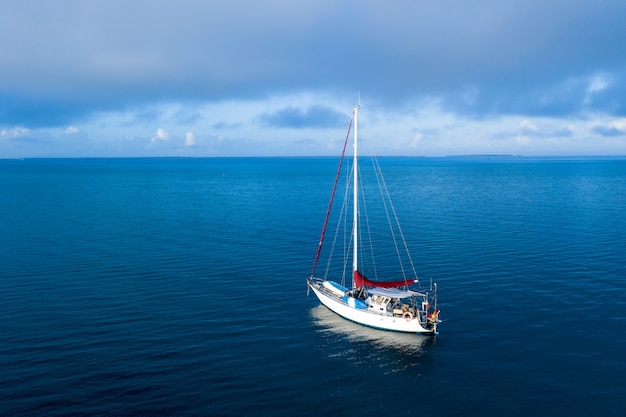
177 287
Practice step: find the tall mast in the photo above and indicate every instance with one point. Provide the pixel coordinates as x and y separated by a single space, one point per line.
355 232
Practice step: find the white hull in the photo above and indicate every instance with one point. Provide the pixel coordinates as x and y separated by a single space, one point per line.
370 318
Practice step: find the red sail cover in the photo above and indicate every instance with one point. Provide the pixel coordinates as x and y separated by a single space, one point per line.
361 281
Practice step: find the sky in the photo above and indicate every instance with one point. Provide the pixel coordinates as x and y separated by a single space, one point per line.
142 78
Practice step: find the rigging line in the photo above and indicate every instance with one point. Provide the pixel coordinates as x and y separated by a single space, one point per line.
342 221
395 216
348 236
370 240
332 196
386 199
383 188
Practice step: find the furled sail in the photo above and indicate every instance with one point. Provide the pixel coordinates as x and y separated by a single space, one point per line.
361 280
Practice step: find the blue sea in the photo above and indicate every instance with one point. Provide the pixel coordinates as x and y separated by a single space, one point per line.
176 287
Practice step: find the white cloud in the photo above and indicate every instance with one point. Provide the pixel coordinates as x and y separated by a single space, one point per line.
232 128
611 128
417 139
72 129
619 124
526 126
190 140
597 84
14 132
161 134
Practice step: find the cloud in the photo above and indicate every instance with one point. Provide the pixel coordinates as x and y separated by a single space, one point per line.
13 132
161 135
527 127
563 97
531 129
243 76
412 48
72 129
597 83
613 128
190 140
315 116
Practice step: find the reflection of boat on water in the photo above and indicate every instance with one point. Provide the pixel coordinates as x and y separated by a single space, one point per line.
330 323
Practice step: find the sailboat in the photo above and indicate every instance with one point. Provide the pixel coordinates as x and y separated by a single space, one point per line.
397 305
